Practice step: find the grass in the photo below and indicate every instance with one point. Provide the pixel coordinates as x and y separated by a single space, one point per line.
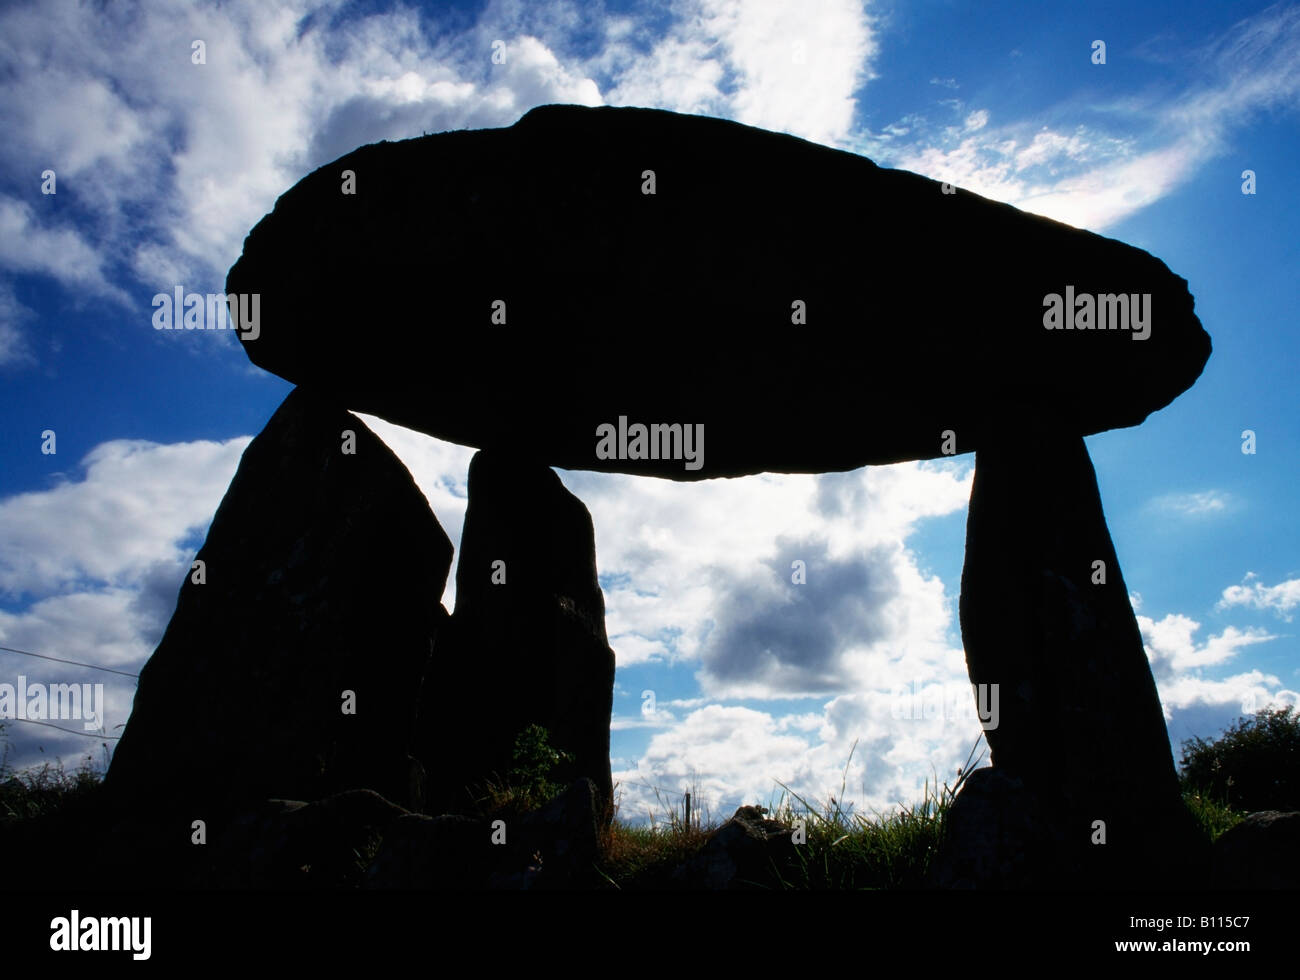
1214 816
639 857
841 850
37 791
854 851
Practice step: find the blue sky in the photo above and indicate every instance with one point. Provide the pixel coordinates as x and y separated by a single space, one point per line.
163 165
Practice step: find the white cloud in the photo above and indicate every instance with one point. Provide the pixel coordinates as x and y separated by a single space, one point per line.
1193 504
107 627
1239 694
1172 650
1092 178
166 165
673 553
134 506
767 63
854 751
32 245
101 560
14 347
1280 598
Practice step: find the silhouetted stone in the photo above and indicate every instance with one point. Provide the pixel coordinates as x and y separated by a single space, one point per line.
998 836
565 833
527 649
1263 851
290 844
443 852
1078 716
553 847
748 851
324 572
924 310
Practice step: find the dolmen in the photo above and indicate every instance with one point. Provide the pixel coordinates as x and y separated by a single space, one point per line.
638 291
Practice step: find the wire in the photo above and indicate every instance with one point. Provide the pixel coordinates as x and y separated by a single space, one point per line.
70 731
59 660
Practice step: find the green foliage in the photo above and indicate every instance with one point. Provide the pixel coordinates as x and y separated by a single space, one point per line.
1214 816
534 763
1254 765
531 781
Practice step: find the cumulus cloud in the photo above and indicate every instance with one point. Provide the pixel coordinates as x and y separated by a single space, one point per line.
163 165
95 564
1172 650
772 635
1280 598
677 559
135 505
856 751
698 577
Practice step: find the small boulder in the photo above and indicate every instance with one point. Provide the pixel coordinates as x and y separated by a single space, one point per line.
553 847
1263 851
749 851
998 835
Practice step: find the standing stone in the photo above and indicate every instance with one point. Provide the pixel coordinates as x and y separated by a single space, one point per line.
324 573
527 648
1080 735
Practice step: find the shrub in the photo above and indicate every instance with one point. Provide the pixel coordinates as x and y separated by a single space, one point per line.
530 783
1254 765
43 789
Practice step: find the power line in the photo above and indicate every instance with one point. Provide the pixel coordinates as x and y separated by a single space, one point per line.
70 731
59 660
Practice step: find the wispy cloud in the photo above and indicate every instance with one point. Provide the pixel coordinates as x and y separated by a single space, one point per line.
1193 504
1095 176
14 347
